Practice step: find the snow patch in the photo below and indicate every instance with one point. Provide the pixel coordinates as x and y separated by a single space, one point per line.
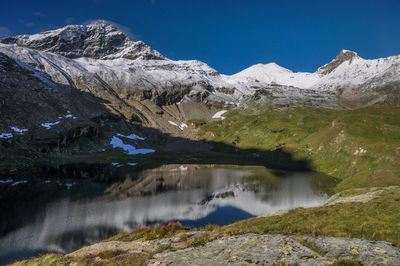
218 115
68 115
118 143
18 130
131 136
69 185
6 135
180 168
19 182
360 151
183 168
182 126
49 125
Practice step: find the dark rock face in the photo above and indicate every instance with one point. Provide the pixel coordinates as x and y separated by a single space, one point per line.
99 40
29 99
343 56
225 90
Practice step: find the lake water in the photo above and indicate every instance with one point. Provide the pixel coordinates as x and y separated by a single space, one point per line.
54 213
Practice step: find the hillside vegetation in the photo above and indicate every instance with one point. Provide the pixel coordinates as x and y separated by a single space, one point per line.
360 147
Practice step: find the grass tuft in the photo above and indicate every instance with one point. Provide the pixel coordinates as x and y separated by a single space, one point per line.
311 245
346 262
148 233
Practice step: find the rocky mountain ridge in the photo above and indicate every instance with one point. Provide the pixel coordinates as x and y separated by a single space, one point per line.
101 53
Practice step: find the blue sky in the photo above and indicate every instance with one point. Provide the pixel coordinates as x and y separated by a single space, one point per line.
229 35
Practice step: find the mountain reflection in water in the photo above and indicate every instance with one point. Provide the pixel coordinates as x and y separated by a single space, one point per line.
195 195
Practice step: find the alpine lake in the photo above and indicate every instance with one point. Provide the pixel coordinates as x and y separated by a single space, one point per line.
62 209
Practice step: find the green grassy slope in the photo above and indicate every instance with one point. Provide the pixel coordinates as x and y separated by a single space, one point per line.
361 147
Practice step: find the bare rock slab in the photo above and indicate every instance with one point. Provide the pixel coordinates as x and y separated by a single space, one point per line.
252 249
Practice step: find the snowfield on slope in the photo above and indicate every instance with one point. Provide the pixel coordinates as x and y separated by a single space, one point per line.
218 115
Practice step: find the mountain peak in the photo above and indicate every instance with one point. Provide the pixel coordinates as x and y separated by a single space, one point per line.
100 22
344 55
99 39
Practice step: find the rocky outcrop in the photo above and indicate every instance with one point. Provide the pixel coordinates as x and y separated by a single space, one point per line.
357 195
251 249
343 56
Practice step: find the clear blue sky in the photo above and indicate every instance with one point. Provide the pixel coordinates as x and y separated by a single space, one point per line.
229 35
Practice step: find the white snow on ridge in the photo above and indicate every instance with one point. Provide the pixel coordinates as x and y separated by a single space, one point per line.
218 115
274 74
358 71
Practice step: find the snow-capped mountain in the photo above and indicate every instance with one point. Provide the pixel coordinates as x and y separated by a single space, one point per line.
100 59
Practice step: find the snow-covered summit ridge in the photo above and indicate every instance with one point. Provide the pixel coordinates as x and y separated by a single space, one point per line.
98 40
134 61
274 74
350 70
